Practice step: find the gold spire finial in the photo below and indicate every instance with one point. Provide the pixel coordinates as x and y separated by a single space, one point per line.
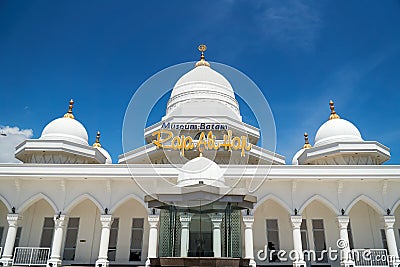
97 143
201 149
69 113
306 143
333 112
202 48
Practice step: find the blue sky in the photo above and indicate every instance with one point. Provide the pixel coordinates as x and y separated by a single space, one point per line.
301 54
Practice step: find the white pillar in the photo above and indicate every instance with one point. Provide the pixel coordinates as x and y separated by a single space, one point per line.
216 220
248 221
55 257
390 239
153 237
10 239
343 242
185 220
106 222
297 245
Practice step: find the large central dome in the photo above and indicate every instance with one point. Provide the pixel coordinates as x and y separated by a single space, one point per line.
203 92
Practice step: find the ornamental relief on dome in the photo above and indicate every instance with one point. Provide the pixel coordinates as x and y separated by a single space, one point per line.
227 104
201 92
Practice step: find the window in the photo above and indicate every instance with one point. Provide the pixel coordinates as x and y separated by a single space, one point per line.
319 240
136 239
17 237
304 235
384 241
70 239
350 235
112 245
273 239
47 233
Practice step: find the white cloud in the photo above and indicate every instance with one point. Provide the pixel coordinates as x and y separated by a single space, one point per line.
11 137
290 22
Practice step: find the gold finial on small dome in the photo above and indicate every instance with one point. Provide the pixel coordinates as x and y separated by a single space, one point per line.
202 48
306 143
333 112
201 149
97 143
69 113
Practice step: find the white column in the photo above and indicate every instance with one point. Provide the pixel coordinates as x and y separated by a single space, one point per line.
343 244
55 257
106 221
10 239
390 239
216 220
248 221
185 220
153 237
297 245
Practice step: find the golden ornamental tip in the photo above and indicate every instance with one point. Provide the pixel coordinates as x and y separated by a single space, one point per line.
333 112
97 143
201 149
306 143
69 113
202 48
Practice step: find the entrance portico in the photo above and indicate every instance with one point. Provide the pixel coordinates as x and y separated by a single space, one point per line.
200 221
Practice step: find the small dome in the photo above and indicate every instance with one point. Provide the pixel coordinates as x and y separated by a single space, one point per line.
295 160
106 154
201 170
65 129
335 130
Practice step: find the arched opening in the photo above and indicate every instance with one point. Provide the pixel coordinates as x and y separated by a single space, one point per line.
130 216
366 226
319 229
82 232
396 213
272 228
36 227
3 223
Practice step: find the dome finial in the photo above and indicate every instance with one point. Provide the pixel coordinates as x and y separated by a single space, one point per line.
333 112
69 113
306 143
202 48
201 149
97 143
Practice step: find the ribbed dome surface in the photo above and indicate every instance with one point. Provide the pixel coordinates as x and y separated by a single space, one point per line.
205 85
206 75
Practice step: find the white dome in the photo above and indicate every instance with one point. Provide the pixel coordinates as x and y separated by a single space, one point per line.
106 154
201 169
65 129
203 74
296 156
207 86
337 130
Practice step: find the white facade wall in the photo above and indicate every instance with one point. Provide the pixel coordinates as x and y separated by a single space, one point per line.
365 201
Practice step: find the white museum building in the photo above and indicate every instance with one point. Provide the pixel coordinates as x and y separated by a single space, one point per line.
182 199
